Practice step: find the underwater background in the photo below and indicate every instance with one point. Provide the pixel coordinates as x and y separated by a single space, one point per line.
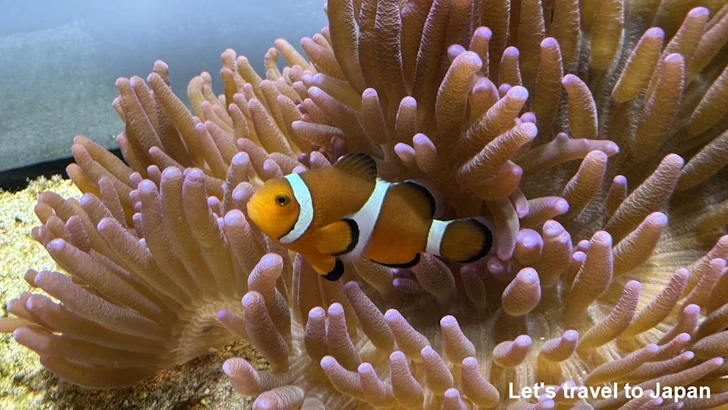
59 60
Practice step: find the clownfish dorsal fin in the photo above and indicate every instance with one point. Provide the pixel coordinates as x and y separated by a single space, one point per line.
420 198
337 238
358 165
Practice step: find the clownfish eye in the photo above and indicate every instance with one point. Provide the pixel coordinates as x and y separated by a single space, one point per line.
283 200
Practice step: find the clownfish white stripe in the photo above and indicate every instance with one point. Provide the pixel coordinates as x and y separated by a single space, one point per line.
366 218
305 216
434 237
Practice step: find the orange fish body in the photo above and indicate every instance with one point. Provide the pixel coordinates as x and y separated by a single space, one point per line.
344 212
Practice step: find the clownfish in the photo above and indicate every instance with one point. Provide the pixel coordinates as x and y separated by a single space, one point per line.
343 212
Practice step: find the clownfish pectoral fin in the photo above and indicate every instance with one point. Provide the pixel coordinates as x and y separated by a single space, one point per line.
358 165
420 199
337 238
462 240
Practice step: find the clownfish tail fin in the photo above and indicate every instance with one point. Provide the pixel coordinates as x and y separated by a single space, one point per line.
462 240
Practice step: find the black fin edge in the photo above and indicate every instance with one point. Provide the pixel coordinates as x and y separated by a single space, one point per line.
410 264
487 241
427 193
335 274
354 237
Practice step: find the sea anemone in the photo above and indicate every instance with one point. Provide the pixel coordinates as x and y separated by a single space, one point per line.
592 134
